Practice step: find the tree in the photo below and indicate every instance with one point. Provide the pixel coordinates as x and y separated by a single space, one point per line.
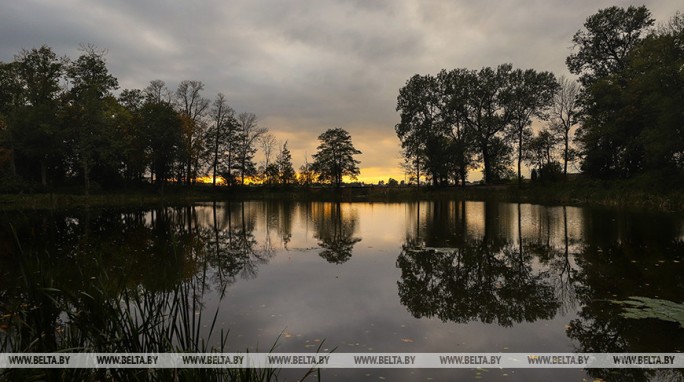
133 141
193 106
656 87
500 163
91 85
606 40
307 174
157 92
632 119
529 94
449 120
564 115
271 173
11 99
267 143
455 87
335 157
540 154
224 121
248 135
484 115
422 140
32 92
286 172
162 127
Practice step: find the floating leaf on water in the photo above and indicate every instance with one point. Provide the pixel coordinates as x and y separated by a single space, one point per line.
644 307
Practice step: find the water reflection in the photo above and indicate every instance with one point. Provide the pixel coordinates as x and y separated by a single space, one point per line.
507 263
335 227
624 255
230 245
113 281
486 278
487 265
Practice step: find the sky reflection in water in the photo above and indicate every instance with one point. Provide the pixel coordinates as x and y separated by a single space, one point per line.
441 276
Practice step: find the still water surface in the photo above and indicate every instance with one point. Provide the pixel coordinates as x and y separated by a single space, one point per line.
439 276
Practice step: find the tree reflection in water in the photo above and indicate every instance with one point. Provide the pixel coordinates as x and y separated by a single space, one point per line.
150 250
231 248
483 278
628 254
503 263
335 229
121 282
462 262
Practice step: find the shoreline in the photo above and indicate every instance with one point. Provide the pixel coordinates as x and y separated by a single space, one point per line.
613 195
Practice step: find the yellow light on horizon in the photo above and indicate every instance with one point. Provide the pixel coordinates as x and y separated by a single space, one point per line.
210 180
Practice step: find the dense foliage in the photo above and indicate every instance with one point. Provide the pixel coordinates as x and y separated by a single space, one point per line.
633 116
625 120
62 127
462 119
335 157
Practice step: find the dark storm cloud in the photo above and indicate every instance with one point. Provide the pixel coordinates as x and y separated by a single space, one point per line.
305 66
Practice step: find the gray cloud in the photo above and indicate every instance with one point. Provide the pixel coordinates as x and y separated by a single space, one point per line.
305 66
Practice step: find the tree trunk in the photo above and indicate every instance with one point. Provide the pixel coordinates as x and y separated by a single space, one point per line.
194 175
242 172
520 139
213 182
417 173
187 174
520 238
485 160
230 166
565 156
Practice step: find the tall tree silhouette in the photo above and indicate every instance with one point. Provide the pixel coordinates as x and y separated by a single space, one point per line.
335 157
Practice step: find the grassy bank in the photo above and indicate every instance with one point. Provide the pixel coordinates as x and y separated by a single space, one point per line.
623 194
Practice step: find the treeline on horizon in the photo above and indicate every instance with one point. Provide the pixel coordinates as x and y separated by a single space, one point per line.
62 126
624 118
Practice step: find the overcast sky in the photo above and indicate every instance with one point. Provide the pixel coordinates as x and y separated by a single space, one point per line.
305 66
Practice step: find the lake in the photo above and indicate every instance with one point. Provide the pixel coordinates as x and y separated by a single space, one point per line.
437 276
